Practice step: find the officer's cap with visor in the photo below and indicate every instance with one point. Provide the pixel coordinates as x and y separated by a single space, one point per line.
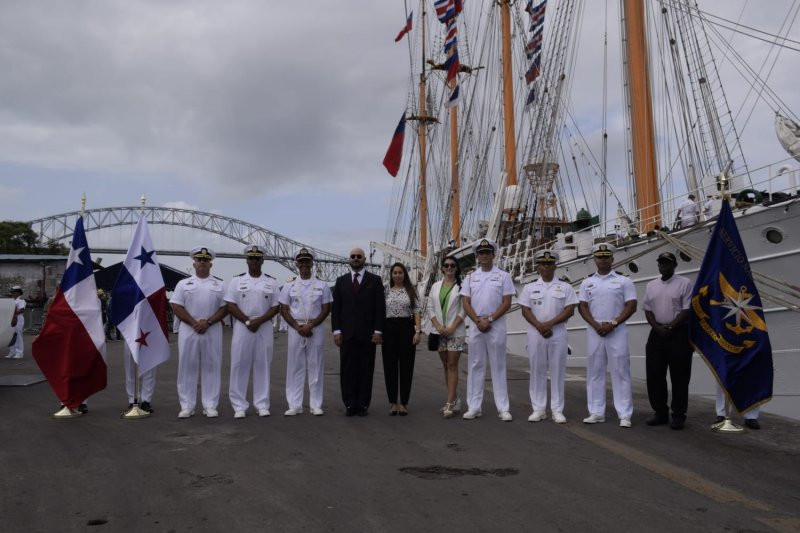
303 253
603 249
545 257
202 252
253 250
484 245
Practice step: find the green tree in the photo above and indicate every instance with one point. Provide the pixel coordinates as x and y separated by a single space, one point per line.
17 237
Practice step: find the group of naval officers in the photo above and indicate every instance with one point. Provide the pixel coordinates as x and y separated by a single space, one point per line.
605 300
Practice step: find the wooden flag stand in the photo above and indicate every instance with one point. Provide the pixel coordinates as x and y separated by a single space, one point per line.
135 412
727 426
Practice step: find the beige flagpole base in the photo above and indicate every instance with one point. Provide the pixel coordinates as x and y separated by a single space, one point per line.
134 413
66 412
726 426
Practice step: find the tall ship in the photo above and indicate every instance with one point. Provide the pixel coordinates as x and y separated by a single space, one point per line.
510 141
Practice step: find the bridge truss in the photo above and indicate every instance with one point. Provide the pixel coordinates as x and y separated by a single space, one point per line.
279 248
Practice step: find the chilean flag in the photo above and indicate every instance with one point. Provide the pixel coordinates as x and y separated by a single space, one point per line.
71 348
139 302
395 152
406 28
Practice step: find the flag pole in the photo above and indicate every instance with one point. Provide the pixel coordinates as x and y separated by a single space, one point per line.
726 426
66 412
136 412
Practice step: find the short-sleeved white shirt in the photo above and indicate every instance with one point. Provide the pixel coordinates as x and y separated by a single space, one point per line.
305 298
546 300
665 299
486 290
253 296
606 295
200 297
689 210
19 303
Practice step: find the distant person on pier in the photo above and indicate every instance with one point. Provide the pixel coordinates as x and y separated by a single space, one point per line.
666 308
486 296
448 320
18 323
358 315
252 300
305 304
547 304
606 300
198 302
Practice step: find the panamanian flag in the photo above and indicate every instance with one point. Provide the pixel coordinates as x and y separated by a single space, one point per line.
139 302
71 348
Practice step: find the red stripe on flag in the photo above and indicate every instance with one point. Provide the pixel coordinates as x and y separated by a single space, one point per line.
395 152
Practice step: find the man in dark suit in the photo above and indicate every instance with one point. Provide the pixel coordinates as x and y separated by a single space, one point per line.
357 317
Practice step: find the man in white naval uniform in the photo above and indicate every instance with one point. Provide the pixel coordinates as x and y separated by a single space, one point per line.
252 300
18 323
607 300
305 303
198 302
486 296
547 304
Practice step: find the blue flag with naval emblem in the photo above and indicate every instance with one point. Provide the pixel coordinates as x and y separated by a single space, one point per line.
726 323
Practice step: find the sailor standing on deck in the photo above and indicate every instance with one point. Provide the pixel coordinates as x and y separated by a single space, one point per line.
547 304
486 296
688 212
305 303
198 302
252 300
607 300
18 323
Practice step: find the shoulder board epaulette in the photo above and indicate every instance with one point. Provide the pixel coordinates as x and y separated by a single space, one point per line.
620 273
271 277
290 279
240 275
565 279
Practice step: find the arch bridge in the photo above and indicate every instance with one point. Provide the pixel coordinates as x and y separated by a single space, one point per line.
279 248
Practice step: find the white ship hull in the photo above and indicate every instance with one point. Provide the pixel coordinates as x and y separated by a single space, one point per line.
780 261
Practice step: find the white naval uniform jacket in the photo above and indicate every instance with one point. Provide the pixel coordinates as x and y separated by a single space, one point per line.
486 291
305 298
200 297
606 295
548 300
253 296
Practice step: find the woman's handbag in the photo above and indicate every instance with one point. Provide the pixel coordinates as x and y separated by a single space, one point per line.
433 342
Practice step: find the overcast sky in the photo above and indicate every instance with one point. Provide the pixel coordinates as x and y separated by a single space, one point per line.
275 112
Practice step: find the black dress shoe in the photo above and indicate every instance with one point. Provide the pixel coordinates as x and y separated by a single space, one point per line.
145 406
719 419
656 420
83 408
351 411
752 423
363 412
678 422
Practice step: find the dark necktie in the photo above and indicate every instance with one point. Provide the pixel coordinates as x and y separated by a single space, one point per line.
356 284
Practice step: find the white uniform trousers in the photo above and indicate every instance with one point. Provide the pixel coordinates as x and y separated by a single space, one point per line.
611 351
203 353
147 382
250 350
18 347
547 354
305 353
752 414
491 345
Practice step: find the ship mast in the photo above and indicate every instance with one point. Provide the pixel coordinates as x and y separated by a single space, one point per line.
454 189
423 120
641 117
508 94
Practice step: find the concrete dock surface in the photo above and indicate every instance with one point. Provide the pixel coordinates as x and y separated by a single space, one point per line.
382 473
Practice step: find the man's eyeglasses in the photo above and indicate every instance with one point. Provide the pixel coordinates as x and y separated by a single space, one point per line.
356 256
449 265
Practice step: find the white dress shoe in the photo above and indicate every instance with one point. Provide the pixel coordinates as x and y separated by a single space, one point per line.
505 416
294 411
210 412
624 422
537 416
316 411
559 418
239 414
263 412
186 413
471 415
594 419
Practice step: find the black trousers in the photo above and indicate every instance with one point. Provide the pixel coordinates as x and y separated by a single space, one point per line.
399 353
356 367
673 353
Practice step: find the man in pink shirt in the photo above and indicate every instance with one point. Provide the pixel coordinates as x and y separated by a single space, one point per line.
666 307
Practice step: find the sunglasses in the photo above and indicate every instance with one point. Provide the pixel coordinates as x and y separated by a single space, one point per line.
356 256
449 265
